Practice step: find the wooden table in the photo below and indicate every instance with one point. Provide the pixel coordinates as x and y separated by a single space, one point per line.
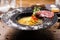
7 32
27 3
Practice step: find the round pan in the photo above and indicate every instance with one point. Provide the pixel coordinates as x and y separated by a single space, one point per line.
11 17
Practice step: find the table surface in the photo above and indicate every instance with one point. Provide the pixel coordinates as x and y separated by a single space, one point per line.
7 32
28 3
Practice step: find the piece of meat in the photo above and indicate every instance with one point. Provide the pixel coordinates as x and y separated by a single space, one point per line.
44 13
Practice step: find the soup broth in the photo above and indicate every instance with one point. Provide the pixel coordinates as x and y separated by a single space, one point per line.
29 21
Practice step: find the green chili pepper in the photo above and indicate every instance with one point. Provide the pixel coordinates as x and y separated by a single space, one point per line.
36 9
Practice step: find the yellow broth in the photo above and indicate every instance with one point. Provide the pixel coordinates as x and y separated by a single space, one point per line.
29 21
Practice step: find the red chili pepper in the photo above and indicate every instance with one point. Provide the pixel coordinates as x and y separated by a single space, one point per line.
34 18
